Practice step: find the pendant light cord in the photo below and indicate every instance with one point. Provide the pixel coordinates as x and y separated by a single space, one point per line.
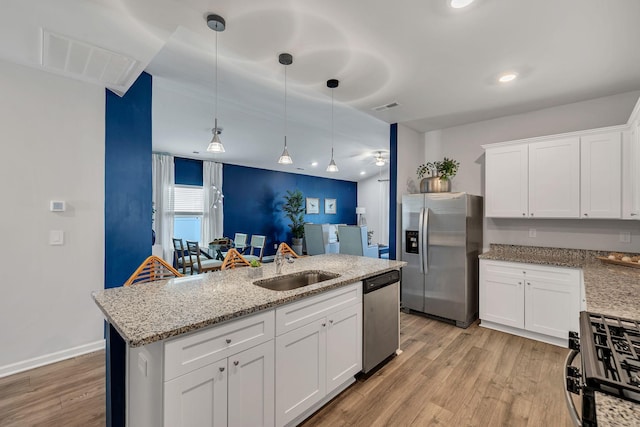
285 106
332 119
216 104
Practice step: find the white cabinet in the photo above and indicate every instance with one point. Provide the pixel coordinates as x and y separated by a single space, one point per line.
198 398
601 175
538 302
631 173
319 349
554 178
507 181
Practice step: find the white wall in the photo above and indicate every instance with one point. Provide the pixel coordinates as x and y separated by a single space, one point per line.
411 153
463 143
373 195
52 137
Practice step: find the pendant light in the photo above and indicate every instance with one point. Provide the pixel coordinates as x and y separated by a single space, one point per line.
217 24
332 84
285 59
379 159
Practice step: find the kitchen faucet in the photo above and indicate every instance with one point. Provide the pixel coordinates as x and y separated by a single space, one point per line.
280 258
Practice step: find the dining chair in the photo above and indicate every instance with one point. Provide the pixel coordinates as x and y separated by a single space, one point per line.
181 256
199 262
353 241
240 242
257 242
233 259
316 237
153 268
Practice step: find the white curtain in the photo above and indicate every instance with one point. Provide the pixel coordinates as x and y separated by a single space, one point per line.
163 183
213 207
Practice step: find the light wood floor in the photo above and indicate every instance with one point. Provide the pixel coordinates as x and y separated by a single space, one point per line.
446 376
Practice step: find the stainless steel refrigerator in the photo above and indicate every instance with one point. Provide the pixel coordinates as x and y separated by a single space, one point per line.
441 241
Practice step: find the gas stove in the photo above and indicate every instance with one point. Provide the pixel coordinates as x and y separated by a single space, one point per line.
610 351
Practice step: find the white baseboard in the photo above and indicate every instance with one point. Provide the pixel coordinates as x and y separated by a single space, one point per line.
46 359
560 342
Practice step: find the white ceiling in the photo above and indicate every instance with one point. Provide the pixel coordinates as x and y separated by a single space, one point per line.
438 63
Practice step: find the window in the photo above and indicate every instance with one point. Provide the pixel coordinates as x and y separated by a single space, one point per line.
188 207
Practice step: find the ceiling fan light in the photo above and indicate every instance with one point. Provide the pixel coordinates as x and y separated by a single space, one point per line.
379 161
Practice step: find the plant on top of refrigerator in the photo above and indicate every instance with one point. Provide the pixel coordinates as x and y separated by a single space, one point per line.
445 169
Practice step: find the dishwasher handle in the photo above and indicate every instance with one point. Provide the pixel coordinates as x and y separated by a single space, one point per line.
374 283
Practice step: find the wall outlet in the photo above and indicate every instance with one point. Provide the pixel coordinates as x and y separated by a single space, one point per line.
625 237
532 232
56 237
275 246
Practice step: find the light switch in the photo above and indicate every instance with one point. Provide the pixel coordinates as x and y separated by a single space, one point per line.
56 237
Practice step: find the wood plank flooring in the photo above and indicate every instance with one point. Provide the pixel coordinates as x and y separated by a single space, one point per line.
445 376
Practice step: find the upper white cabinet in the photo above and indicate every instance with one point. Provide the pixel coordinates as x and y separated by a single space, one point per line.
554 178
507 180
631 173
601 175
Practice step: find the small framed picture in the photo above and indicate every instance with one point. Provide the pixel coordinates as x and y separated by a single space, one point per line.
329 206
313 205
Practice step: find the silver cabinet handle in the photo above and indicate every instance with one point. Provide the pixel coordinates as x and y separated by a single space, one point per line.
586 214
634 214
331 321
528 283
524 214
531 214
519 283
235 363
221 369
324 324
228 341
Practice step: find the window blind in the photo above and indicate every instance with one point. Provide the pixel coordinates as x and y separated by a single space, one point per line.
188 199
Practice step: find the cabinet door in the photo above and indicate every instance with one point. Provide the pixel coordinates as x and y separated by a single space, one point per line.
631 180
300 370
502 294
601 178
506 181
552 301
554 178
198 398
251 386
344 345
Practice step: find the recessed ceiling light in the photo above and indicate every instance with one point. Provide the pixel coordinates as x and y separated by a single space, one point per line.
459 4
314 163
362 173
507 77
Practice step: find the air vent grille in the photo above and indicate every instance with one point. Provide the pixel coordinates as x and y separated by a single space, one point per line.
85 61
386 106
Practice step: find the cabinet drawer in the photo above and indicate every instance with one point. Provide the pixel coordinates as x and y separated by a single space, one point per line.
184 354
300 313
502 268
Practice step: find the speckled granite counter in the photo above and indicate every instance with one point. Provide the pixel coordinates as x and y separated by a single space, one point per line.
610 289
146 313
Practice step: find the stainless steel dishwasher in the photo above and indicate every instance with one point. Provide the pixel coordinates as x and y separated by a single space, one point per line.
381 318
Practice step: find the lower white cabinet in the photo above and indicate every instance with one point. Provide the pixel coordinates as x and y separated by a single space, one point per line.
322 354
236 391
534 301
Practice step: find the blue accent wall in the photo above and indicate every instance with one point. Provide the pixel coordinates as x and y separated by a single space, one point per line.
127 181
188 171
253 199
393 189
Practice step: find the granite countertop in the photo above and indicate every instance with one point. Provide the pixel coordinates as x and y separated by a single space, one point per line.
151 312
610 289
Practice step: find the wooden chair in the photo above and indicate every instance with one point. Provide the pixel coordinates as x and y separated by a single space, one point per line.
257 242
152 269
286 250
182 259
233 260
198 261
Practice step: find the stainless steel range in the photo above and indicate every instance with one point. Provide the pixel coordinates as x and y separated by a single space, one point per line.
610 363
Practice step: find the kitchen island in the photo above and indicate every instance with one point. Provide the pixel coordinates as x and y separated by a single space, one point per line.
153 321
608 289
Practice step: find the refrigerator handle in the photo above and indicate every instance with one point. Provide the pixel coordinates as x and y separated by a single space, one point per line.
425 241
420 238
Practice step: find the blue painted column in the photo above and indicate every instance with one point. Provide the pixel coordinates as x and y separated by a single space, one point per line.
393 189
127 214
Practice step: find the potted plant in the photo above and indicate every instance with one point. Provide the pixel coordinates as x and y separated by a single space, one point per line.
255 269
293 208
439 175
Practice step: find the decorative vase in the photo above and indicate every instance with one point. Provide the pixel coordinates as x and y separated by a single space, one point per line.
296 245
435 184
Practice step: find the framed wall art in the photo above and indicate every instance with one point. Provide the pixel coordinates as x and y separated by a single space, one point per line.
313 205
330 206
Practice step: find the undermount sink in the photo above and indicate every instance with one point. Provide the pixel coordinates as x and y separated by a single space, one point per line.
297 280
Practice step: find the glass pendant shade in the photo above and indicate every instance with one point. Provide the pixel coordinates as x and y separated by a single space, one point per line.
285 158
215 146
332 164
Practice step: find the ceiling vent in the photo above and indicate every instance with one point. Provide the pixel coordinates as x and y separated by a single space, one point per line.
87 62
386 106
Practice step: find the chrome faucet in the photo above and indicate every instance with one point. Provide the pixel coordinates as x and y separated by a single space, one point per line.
280 258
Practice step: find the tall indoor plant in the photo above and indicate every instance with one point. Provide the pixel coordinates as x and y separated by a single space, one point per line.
293 208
